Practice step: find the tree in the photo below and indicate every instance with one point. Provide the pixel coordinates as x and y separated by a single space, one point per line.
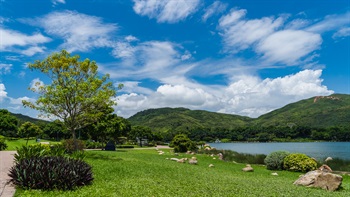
28 130
8 123
111 127
140 132
77 95
182 143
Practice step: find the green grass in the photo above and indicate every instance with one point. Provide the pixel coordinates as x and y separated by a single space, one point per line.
146 173
12 144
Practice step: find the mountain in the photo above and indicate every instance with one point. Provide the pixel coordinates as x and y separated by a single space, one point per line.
315 112
24 118
164 119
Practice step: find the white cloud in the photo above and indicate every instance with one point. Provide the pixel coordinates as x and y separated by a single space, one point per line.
239 34
247 95
344 32
35 84
18 101
131 38
288 46
80 32
133 86
55 2
5 68
33 50
166 11
330 22
216 8
123 50
3 93
11 40
153 59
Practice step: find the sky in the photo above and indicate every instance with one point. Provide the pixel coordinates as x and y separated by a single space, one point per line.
244 57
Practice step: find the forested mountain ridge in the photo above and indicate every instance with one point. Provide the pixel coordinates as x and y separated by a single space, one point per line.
315 112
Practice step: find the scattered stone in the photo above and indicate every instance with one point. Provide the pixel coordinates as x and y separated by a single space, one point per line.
221 156
214 158
320 179
167 158
248 168
328 159
274 174
188 152
211 165
174 159
212 155
176 154
183 160
325 168
193 160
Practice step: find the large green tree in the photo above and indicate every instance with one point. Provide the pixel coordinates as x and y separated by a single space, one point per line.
77 94
8 123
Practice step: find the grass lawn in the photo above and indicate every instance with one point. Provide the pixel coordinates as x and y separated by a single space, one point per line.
12 144
145 173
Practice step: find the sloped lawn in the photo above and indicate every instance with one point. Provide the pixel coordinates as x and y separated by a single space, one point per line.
146 173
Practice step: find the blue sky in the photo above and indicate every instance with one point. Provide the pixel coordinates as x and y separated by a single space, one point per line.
244 57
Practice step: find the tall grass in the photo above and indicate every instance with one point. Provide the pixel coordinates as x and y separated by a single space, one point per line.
146 173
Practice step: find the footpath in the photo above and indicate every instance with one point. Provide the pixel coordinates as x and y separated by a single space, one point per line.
6 162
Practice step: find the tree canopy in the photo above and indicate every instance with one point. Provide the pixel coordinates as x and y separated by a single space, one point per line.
77 95
8 123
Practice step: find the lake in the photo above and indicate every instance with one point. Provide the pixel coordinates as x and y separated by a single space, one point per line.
318 150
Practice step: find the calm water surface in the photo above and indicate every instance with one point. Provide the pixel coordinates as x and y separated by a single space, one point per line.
318 150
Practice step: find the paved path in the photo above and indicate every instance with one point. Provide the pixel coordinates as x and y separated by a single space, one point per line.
6 162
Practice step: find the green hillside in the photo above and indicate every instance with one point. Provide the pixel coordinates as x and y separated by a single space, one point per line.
23 118
164 119
315 112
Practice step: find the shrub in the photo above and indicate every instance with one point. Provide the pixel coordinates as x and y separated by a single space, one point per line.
274 161
182 143
3 145
26 152
51 172
69 144
125 146
299 162
93 145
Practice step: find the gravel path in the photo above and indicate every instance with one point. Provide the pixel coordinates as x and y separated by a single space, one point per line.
6 162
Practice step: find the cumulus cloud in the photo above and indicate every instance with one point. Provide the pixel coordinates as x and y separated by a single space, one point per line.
216 8
80 32
3 93
247 95
15 41
18 101
166 11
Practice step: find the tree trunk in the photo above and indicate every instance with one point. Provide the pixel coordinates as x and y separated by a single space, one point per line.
74 140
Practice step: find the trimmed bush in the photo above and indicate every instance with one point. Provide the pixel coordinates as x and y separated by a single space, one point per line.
274 161
299 163
48 173
3 145
125 146
182 144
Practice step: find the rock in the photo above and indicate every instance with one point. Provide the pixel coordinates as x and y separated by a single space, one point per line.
221 157
328 159
325 168
181 160
248 168
193 160
176 154
174 159
274 174
214 158
211 165
320 179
